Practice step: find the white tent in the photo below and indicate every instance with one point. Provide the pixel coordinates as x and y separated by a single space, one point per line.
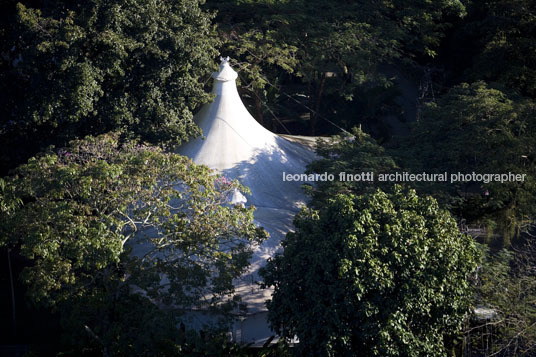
238 147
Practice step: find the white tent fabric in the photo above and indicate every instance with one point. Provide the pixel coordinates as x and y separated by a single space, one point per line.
235 145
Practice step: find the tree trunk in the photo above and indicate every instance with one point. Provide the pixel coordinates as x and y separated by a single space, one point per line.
258 108
317 100
13 307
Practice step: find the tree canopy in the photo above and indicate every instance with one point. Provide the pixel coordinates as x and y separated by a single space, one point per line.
495 43
377 274
505 289
334 48
352 153
478 128
103 222
77 68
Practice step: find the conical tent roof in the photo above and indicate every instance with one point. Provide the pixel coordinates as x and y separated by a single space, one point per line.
235 145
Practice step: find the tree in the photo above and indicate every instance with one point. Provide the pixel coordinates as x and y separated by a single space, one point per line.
108 227
478 128
87 68
505 290
377 275
502 46
252 33
353 155
334 47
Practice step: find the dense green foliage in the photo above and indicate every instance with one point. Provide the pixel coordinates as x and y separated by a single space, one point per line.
333 48
78 68
100 218
506 287
378 274
463 70
352 154
471 128
475 128
496 43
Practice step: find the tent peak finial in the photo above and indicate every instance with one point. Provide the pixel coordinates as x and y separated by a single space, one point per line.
226 73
